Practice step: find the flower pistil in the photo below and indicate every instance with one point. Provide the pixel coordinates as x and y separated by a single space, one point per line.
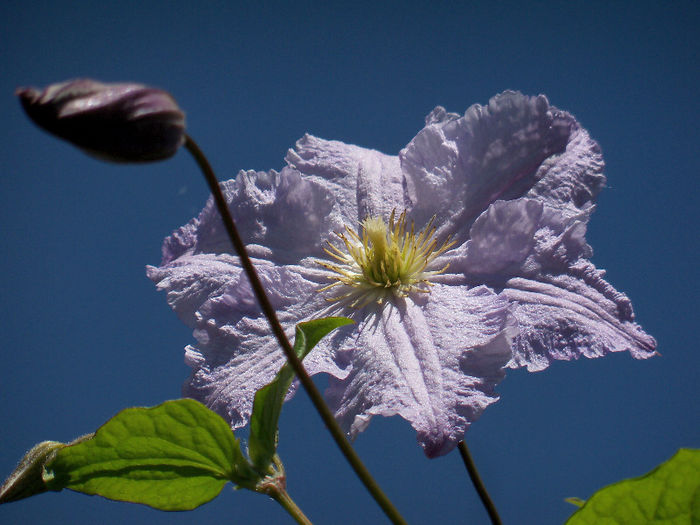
383 260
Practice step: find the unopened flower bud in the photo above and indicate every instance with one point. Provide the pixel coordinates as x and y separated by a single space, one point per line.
116 122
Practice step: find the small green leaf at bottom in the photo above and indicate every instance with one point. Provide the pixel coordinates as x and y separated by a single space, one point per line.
175 456
667 495
267 405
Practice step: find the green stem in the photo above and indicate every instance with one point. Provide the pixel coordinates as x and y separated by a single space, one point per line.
478 484
316 398
281 497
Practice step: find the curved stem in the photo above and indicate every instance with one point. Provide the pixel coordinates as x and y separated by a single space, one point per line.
281 497
478 484
316 398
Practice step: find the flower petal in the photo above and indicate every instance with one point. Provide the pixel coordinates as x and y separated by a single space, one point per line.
566 317
515 146
564 308
502 237
236 353
435 364
364 181
264 206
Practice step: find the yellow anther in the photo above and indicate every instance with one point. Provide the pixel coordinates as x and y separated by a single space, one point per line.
383 260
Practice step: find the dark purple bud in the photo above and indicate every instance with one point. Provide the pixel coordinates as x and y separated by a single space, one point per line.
115 122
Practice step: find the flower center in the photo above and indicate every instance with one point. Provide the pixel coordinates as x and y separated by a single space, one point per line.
383 260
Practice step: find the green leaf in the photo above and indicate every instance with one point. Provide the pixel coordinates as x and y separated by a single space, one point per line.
175 456
669 494
267 405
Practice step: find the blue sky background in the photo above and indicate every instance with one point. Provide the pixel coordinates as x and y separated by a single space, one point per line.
85 334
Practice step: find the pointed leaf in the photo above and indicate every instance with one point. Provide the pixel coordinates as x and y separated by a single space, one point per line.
667 495
175 456
268 400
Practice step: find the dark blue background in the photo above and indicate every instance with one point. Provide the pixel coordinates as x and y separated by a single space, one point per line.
85 334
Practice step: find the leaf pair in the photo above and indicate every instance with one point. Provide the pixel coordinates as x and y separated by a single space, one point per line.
175 456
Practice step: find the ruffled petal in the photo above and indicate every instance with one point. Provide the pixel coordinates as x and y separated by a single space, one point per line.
236 353
571 181
502 237
363 181
564 308
435 363
567 317
282 212
517 145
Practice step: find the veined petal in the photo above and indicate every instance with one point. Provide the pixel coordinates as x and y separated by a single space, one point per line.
502 237
435 364
565 317
537 258
364 182
515 146
236 353
264 206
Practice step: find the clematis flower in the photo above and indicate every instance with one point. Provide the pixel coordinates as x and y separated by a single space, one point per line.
460 257
116 122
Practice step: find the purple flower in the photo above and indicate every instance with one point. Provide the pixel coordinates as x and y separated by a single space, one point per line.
462 255
115 122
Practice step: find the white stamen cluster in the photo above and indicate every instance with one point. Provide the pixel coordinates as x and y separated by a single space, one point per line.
383 260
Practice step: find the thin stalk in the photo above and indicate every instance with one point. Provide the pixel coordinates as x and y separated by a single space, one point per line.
478 484
316 398
281 497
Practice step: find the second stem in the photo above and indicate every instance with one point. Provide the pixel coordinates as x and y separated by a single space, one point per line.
336 432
